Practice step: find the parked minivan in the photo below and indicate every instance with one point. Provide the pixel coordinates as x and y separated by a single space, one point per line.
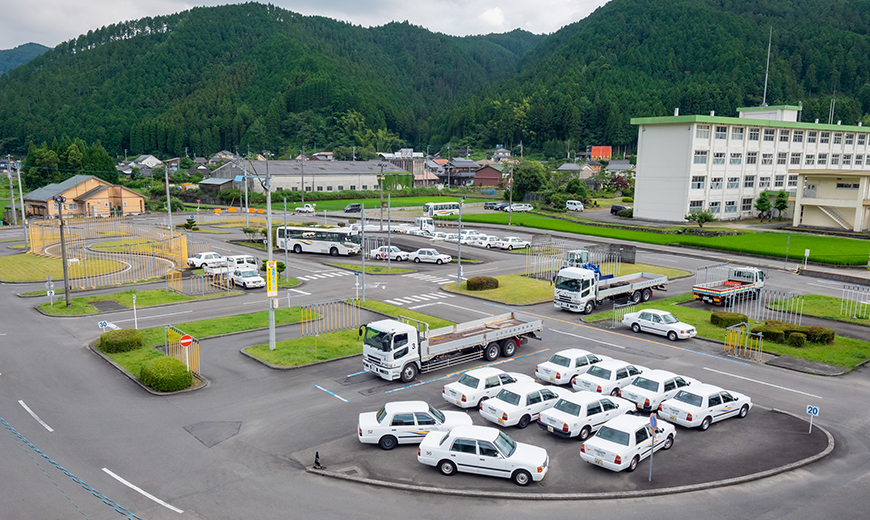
574 205
353 208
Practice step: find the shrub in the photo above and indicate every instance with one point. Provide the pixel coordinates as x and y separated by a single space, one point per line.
820 335
165 374
727 319
770 333
627 199
122 340
797 339
482 283
626 213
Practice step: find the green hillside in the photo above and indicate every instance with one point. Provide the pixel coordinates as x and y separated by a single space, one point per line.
11 58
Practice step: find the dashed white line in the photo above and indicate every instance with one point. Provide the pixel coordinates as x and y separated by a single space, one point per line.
588 339
143 492
763 383
40 421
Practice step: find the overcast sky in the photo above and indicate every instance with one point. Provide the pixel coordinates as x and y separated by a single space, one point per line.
50 22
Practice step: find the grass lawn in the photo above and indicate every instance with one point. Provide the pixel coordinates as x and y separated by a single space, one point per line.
137 245
148 298
212 231
393 310
512 289
378 268
291 282
31 268
396 202
133 360
829 307
21 245
216 326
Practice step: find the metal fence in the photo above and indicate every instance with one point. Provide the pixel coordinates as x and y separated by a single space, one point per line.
619 312
197 284
855 301
768 304
544 259
741 342
188 355
712 273
332 316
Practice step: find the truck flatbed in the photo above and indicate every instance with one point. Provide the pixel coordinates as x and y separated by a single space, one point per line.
490 326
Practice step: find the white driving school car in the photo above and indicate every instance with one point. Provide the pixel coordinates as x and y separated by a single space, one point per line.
702 405
429 255
247 278
564 365
391 252
511 243
484 451
478 385
582 413
649 390
623 442
519 404
659 322
405 422
607 377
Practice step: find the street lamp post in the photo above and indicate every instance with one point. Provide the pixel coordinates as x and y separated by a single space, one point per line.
459 248
381 183
21 198
510 195
267 186
60 200
168 200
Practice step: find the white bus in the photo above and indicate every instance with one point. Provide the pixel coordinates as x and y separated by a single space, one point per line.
333 241
440 209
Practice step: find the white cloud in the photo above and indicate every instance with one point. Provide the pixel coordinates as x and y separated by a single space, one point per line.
492 19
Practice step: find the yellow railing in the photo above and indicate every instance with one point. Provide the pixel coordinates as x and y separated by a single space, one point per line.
741 342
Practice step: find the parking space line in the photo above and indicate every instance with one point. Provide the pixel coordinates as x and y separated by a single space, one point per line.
357 374
588 339
763 383
333 394
40 421
142 492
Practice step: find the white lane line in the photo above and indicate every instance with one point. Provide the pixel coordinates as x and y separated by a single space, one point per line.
827 286
252 303
143 492
588 339
333 394
393 302
763 383
451 305
301 292
219 248
156 316
40 421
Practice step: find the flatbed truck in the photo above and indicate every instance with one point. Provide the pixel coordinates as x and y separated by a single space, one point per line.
582 290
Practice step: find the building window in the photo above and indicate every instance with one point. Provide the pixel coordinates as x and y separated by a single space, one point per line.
768 134
736 158
736 134
751 157
714 207
838 138
702 131
294 189
783 136
721 132
792 181
340 187
847 185
365 186
825 138
719 158
749 181
781 157
696 206
862 139
697 183
730 206
835 159
823 159
795 159
859 159
767 158
716 183
320 188
753 134
850 138
779 181
75 206
746 205
329 188
847 159
811 136
308 188
764 182
700 157
733 183
797 136
810 159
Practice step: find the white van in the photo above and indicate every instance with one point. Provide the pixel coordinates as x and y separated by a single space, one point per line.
574 205
242 260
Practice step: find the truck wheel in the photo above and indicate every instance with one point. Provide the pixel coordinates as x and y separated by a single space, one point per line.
297 249
491 351
588 308
509 347
647 294
409 372
636 297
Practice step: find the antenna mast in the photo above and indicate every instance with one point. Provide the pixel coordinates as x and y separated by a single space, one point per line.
767 69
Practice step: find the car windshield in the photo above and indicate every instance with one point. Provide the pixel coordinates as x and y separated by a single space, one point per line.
669 318
438 414
609 434
568 407
249 274
646 384
562 361
379 340
599 372
686 397
382 413
508 397
469 381
505 444
570 284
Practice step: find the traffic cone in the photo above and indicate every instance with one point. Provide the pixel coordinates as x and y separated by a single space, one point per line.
317 461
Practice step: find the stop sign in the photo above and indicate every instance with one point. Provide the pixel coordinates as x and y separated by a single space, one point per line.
185 340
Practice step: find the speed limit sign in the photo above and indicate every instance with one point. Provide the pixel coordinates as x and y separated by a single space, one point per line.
812 411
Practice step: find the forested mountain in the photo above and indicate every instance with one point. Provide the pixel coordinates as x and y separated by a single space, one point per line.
258 77
11 58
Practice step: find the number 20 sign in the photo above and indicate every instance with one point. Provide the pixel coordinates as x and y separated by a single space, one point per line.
812 410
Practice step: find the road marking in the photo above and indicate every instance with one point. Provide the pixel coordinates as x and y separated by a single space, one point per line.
143 492
252 303
587 339
40 421
219 248
157 316
333 394
301 292
357 374
451 305
827 286
763 383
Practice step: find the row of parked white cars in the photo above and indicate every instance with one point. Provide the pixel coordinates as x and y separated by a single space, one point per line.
608 396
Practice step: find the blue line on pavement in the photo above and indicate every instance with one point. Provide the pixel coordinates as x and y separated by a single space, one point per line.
331 393
357 374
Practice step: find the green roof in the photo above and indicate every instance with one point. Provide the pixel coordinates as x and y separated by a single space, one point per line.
743 121
775 107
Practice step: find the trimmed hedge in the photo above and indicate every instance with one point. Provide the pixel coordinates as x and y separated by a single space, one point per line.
481 283
727 319
797 339
628 213
165 374
780 332
121 340
627 199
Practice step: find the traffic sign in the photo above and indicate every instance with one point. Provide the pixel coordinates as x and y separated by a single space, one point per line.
271 279
185 341
104 324
812 410
356 273
652 421
50 292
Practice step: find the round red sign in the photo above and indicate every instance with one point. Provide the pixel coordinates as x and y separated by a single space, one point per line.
185 340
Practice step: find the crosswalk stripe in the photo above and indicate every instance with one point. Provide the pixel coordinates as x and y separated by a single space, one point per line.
393 302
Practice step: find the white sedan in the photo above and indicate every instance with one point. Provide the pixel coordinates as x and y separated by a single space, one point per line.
511 243
247 278
484 451
405 422
565 365
623 442
391 252
429 255
519 207
452 237
478 385
659 322
582 413
702 405
439 235
654 386
487 241
520 403
607 377
204 259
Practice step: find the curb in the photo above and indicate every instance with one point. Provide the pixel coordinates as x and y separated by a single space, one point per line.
205 382
597 496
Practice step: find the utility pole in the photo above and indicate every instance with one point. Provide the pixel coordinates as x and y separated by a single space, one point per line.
247 208
21 198
459 247
511 195
11 189
389 234
286 260
302 157
267 186
362 248
381 183
60 200
168 200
